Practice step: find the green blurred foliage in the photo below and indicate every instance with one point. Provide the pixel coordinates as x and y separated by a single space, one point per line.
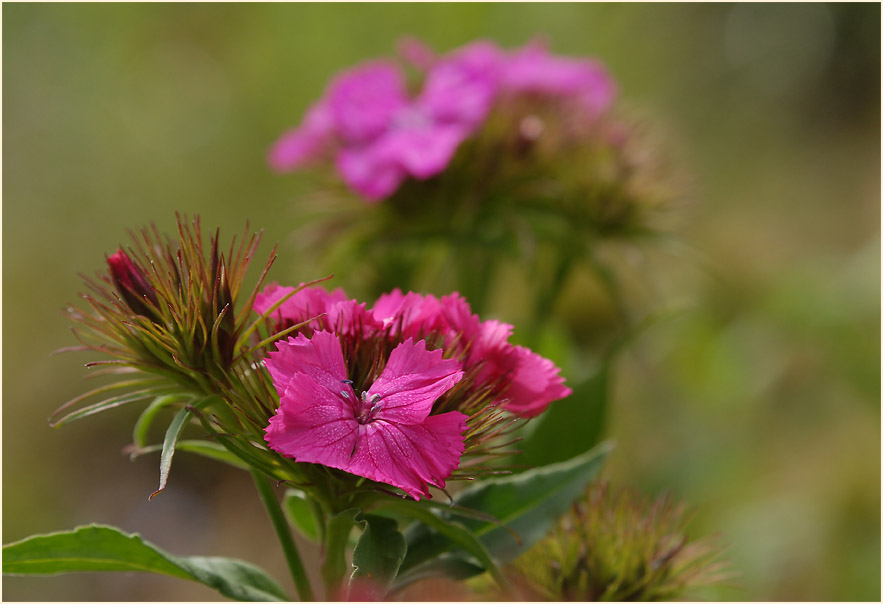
759 404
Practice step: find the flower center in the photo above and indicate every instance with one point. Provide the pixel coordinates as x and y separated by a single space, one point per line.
410 118
368 408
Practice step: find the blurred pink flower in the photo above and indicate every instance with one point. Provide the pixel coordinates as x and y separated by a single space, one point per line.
384 433
379 134
532 69
529 69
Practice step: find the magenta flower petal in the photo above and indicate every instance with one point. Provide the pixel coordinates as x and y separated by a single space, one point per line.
312 425
365 173
386 433
307 303
533 69
412 315
421 151
411 456
412 381
461 87
363 100
320 358
305 143
535 383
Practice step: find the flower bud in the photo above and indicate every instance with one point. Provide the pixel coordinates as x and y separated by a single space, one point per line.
131 284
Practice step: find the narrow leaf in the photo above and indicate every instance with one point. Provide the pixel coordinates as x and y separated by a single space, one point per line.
106 548
168 448
205 448
142 426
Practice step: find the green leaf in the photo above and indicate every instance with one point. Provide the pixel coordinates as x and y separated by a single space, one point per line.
106 548
568 427
446 529
300 513
378 555
168 448
139 432
527 503
205 448
104 405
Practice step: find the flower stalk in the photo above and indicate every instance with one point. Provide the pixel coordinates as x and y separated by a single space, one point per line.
283 533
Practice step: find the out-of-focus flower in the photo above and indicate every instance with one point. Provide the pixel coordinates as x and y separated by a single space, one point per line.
379 135
617 545
382 431
533 70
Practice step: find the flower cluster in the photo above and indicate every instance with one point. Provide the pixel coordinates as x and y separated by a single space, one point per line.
395 393
379 134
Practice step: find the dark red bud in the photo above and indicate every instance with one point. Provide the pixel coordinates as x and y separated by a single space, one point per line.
131 284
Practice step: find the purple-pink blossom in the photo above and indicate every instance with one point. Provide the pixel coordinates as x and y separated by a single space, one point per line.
381 431
528 383
532 69
379 135
324 310
522 381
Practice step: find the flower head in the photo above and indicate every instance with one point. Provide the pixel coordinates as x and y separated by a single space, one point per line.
379 135
525 381
532 69
382 431
517 378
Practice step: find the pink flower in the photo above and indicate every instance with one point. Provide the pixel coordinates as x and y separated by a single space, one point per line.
132 285
526 381
533 70
530 383
410 315
384 433
332 311
380 136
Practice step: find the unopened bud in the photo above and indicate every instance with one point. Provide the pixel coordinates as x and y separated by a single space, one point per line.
131 284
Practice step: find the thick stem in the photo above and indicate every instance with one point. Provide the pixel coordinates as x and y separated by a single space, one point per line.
283 531
334 564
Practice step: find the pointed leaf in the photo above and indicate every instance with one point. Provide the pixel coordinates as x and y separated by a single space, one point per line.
106 548
139 432
168 448
378 555
205 448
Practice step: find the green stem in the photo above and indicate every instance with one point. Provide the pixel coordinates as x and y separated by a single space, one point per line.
277 518
334 564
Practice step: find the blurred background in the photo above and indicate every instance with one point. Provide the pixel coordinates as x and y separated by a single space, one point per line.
759 404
